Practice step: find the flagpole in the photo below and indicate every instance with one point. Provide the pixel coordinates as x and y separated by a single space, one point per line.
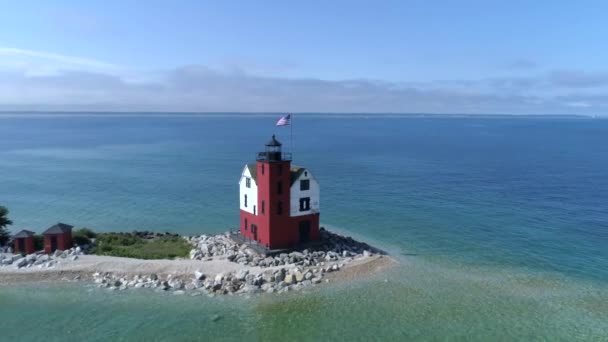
291 135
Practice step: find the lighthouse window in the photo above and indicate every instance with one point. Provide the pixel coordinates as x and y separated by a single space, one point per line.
254 210
304 203
248 182
263 207
245 224
262 168
279 188
245 201
304 184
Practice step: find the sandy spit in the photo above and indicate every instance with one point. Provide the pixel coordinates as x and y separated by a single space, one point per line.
87 265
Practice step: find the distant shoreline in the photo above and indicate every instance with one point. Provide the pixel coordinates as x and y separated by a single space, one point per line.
70 113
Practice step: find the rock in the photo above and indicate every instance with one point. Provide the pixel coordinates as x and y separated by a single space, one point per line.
316 280
241 274
179 292
335 268
153 277
7 261
308 275
193 253
266 286
198 275
22 262
299 276
367 253
251 289
75 257
216 318
217 282
289 279
268 276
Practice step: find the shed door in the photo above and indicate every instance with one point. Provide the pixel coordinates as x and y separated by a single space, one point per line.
53 243
21 245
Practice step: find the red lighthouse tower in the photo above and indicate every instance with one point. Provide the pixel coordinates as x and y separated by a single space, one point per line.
279 202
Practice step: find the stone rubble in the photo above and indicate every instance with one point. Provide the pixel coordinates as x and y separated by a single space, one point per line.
40 259
283 272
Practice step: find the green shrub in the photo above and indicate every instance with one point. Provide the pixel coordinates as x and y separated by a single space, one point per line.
86 232
132 246
83 236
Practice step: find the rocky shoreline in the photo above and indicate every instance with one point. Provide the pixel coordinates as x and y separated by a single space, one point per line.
218 266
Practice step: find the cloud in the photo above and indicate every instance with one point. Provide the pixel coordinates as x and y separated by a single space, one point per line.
522 64
83 84
33 62
579 79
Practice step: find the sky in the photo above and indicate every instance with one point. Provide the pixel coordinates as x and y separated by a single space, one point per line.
461 57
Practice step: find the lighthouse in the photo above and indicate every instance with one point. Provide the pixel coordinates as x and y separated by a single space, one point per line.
279 202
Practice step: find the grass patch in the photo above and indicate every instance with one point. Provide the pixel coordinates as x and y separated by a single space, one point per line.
133 246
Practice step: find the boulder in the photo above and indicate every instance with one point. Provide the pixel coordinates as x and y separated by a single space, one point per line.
22 262
198 275
289 279
75 257
241 274
299 276
268 276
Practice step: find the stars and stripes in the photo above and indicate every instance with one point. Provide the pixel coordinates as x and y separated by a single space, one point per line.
284 121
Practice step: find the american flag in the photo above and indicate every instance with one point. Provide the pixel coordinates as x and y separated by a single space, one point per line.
284 121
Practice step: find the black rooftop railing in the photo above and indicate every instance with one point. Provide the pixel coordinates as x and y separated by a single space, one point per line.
273 156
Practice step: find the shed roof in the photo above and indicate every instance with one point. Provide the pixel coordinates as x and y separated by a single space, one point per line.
59 228
23 234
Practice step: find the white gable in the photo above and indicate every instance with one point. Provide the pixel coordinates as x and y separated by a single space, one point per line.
297 193
249 194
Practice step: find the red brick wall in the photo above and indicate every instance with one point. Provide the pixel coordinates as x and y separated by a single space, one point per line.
64 241
28 244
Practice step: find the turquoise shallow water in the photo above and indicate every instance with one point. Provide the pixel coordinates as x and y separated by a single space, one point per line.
500 225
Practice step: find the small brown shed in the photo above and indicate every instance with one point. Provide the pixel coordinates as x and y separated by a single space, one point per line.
58 237
24 242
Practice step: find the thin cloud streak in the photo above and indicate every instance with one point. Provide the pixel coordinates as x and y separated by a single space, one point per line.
64 59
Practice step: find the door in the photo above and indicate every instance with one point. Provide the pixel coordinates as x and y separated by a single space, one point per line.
304 231
254 230
53 243
21 245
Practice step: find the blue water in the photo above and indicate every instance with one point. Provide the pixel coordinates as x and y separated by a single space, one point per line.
500 225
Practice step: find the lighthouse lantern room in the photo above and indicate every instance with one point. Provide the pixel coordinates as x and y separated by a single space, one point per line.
279 202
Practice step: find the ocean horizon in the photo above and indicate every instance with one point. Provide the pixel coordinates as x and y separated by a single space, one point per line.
499 223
